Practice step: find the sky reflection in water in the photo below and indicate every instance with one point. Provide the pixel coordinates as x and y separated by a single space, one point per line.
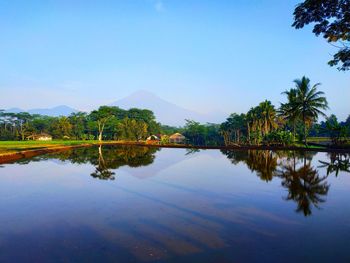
130 204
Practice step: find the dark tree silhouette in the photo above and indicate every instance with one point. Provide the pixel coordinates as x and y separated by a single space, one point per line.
304 185
332 21
337 162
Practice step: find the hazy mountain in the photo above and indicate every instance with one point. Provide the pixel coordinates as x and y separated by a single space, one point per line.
61 110
166 112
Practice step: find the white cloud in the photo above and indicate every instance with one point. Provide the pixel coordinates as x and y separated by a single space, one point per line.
159 6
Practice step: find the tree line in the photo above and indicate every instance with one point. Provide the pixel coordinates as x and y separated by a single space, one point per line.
105 123
293 121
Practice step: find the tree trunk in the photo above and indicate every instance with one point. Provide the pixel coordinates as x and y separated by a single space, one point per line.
304 121
100 130
248 133
293 131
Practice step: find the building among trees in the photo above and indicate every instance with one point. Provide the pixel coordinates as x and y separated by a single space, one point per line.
177 138
40 137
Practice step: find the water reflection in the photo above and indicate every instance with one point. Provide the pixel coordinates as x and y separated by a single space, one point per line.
176 207
305 186
107 159
303 182
102 170
337 162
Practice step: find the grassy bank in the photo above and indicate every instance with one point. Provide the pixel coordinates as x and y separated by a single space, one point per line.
14 150
7 147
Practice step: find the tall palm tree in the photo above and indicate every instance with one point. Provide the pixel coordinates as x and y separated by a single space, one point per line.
286 110
309 102
268 113
254 123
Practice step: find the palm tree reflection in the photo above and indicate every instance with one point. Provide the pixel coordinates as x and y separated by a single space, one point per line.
304 185
264 163
337 162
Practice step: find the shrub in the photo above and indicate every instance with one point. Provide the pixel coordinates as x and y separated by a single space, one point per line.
278 138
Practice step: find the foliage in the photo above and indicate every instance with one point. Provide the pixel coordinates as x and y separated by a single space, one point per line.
133 129
305 103
337 132
331 18
103 123
233 128
202 134
263 123
278 138
338 162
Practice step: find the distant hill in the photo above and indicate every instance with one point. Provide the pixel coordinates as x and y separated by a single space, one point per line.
166 112
61 110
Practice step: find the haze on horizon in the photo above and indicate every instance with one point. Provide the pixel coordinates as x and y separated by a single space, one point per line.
200 55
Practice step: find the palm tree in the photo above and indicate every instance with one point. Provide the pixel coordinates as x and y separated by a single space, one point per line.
268 114
254 124
286 110
308 103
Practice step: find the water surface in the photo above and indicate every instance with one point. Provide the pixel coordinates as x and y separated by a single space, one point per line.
138 204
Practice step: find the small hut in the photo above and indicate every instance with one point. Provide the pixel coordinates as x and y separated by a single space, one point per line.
153 139
177 138
40 137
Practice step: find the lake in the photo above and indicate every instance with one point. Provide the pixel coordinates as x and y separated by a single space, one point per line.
139 204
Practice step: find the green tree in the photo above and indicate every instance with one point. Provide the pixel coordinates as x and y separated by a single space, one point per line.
61 127
233 128
309 103
195 132
336 131
268 113
132 129
23 119
254 125
101 117
331 19
78 121
287 112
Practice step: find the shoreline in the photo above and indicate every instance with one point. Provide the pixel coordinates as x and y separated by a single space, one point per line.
29 153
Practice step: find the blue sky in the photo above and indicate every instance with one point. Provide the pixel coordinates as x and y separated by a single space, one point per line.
202 55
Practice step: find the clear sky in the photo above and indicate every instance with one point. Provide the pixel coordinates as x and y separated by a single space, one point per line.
200 54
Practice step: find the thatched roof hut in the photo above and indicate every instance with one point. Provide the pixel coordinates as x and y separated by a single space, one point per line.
177 138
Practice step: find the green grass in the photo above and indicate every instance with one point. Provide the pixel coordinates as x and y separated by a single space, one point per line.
318 139
16 146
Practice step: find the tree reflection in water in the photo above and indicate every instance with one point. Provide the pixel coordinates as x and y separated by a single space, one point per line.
264 163
101 169
337 162
304 184
106 159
